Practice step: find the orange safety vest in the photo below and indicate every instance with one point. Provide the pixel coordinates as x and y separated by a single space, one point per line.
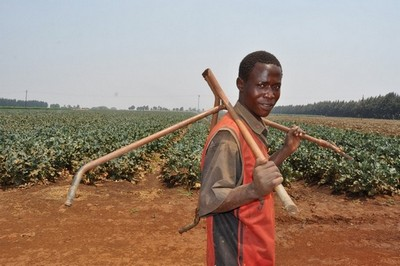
254 225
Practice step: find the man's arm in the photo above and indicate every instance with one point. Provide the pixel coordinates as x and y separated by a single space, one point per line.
292 142
266 176
221 172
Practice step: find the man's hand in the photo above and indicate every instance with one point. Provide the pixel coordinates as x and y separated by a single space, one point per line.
293 138
266 176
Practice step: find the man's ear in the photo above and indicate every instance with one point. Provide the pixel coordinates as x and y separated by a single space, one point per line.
240 84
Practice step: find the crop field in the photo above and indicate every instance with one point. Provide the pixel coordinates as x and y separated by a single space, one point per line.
154 188
39 145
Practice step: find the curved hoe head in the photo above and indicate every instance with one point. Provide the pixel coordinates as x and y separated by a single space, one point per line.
208 75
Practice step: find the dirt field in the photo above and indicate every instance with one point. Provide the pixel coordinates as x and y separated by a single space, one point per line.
375 126
119 223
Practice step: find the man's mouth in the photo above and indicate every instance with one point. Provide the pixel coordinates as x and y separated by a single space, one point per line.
267 106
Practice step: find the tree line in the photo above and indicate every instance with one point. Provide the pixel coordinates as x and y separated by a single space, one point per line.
19 103
383 107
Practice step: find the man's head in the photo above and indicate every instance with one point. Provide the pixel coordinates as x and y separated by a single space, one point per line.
251 59
259 82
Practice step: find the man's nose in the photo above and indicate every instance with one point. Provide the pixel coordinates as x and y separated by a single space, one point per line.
269 93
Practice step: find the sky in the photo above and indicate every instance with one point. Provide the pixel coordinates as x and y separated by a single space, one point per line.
122 53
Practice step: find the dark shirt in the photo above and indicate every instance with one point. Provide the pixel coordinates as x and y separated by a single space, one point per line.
222 170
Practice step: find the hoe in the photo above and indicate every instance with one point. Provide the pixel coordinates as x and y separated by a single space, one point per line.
221 102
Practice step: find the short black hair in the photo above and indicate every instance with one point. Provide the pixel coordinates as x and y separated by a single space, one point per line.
248 62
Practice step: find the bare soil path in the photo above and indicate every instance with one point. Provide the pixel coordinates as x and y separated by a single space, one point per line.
119 223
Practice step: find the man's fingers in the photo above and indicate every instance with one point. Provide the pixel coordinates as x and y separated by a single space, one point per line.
266 176
260 161
277 181
267 165
297 131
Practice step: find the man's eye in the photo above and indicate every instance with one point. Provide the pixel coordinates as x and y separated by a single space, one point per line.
262 85
276 87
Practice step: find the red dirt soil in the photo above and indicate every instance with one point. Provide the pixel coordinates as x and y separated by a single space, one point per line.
119 223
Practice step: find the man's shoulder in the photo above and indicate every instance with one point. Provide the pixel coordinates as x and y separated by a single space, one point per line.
226 122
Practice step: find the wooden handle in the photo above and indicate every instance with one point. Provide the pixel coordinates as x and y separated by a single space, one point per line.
217 90
320 142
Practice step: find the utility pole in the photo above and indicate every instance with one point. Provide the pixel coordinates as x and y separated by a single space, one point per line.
26 97
198 103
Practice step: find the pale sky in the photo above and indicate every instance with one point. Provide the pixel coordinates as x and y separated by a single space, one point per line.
122 53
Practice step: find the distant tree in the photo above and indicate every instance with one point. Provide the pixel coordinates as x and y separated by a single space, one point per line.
385 107
131 108
142 108
99 108
55 106
19 103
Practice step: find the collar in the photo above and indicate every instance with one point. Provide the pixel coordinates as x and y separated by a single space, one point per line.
257 126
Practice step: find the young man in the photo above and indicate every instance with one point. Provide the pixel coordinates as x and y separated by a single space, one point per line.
240 226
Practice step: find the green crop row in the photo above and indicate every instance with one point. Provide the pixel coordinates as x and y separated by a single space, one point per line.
37 145
375 168
182 160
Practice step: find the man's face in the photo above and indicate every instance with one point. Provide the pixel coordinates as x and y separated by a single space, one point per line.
262 89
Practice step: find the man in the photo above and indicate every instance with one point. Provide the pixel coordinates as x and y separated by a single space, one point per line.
236 192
